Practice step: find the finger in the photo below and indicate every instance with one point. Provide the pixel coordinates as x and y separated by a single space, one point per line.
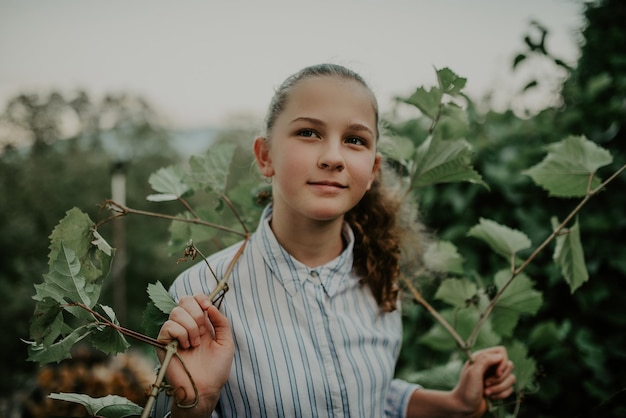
503 371
501 390
171 331
183 317
194 307
221 326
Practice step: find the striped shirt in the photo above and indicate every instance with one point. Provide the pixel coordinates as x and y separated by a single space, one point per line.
309 342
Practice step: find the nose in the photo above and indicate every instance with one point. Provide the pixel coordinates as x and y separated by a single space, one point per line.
331 158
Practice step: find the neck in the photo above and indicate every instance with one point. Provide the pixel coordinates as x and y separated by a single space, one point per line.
313 243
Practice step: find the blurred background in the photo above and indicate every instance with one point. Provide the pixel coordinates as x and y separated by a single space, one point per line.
95 92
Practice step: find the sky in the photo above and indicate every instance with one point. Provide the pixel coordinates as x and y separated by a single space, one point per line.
198 63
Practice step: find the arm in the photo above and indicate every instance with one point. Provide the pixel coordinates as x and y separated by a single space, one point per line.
489 376
206 346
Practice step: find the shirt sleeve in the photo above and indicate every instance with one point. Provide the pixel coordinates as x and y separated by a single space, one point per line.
397 401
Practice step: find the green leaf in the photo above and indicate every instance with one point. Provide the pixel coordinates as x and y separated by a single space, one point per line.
169 181
456 292
47 322
444 161
449 82
443 377
74 242
182 232
525 367
111 406
59 350
101 244
63 282
453 123
570 257
426 101
107 339
397 148
568 167
518 298
502 239
152 320
443 257
211 170
161 298
463 321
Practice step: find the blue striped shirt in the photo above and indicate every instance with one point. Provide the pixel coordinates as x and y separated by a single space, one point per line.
309 342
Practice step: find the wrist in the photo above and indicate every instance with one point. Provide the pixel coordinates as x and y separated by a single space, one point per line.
204 407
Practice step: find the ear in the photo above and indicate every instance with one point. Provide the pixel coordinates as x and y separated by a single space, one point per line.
375 168
262 155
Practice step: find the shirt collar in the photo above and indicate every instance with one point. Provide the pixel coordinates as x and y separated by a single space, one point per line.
332 276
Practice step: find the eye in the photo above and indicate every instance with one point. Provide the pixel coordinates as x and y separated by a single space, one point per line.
355 140
307 133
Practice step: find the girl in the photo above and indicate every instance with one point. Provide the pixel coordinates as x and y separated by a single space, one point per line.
309 326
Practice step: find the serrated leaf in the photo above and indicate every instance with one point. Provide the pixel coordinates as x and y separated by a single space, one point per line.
169 181
463 321
111 406
182 232
76 232
107 339
568 167
569 256
443 257
59 350
210 171
102 244
64 282
518 298
453 123
152 320
398 148
426 101
443 377
502 239
47 322
161 298
162 197
456 292
449 82
525 367
444 161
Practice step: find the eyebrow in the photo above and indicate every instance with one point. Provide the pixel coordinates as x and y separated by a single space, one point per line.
354 126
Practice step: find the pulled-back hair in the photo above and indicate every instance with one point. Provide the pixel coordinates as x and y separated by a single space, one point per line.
374 219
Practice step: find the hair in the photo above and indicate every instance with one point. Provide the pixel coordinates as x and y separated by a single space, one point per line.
374 220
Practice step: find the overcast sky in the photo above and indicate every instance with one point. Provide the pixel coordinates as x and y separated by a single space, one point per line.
198 62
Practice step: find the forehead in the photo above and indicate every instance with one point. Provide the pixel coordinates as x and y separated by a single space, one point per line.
330 95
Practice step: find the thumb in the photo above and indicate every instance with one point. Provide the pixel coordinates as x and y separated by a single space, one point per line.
221 326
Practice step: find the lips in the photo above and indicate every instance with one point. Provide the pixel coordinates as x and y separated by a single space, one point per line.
328 183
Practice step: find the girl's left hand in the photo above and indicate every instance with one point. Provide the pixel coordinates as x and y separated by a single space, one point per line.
489 377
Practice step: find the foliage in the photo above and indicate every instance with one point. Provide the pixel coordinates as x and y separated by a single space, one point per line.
473 313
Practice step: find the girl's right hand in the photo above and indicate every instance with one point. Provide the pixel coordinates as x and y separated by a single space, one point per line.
205 345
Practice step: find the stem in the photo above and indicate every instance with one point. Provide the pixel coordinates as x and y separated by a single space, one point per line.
170 351
557 231
124 210
417 296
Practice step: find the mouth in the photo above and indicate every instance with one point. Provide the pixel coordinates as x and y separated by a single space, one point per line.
328 184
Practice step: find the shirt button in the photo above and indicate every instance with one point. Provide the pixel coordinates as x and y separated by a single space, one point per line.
314 273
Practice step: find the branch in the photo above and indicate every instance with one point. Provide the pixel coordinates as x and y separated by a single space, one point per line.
417 296
122 210
557 231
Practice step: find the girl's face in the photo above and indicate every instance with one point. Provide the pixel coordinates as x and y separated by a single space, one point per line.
322 153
